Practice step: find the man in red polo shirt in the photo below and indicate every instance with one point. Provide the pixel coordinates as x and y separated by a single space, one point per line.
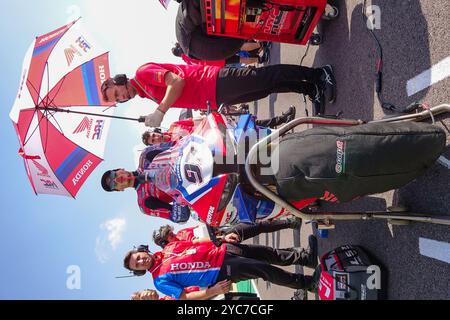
194 86
184 264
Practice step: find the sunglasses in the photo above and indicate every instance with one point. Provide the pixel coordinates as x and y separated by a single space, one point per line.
111 182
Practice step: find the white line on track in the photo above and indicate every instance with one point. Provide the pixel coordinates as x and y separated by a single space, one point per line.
436 73
435 249
444 161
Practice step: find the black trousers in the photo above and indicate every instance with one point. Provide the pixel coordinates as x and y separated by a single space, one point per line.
247 231
244 262
241 85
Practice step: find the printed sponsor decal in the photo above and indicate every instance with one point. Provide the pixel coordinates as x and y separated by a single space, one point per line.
328 196
340 156
19 94
42 171
195 265
86 125
193 173
210 214
74 49
49 184
158 77
102 73
351 253
231 216
53 35
341 282
275 21
81 172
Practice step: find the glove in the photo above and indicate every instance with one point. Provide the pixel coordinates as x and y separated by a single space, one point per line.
179 213
154 120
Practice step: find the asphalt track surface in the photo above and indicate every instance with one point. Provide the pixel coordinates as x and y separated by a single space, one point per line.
415 36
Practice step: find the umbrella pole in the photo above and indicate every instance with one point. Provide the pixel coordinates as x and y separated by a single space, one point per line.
140 119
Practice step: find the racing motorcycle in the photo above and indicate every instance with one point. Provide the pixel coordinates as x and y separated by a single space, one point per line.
216 169
202 171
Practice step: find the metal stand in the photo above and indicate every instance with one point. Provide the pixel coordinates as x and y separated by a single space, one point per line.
320 216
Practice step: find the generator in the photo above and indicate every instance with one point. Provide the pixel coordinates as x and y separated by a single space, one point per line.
349 273
287 21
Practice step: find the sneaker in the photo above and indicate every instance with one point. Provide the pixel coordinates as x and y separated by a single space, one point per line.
318 102
312 252
294 222
289 115
300 294
329 83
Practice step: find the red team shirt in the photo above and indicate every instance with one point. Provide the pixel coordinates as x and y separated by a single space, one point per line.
190 61
181 264
186 234
200 85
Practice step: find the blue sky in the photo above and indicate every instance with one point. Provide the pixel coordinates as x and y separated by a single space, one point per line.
41 236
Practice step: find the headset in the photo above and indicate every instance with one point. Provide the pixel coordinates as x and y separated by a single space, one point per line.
120 80
158 239
137 273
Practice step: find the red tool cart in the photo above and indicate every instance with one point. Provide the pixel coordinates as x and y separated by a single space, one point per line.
288 21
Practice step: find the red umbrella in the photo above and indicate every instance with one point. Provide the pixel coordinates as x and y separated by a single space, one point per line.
60 143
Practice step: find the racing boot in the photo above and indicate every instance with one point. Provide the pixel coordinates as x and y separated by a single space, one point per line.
328 83
300 294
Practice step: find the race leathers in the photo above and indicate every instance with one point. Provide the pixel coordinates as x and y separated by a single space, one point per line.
151 200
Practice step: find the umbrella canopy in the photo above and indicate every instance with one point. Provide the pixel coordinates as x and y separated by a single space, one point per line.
62 72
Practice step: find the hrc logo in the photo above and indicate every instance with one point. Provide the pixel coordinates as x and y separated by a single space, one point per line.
98 129
84 125
70 54
83 44
42 171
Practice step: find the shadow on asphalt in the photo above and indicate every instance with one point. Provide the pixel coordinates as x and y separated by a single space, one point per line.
428 194
406 53
350 48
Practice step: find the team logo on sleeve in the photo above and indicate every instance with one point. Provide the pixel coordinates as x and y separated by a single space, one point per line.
158 77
